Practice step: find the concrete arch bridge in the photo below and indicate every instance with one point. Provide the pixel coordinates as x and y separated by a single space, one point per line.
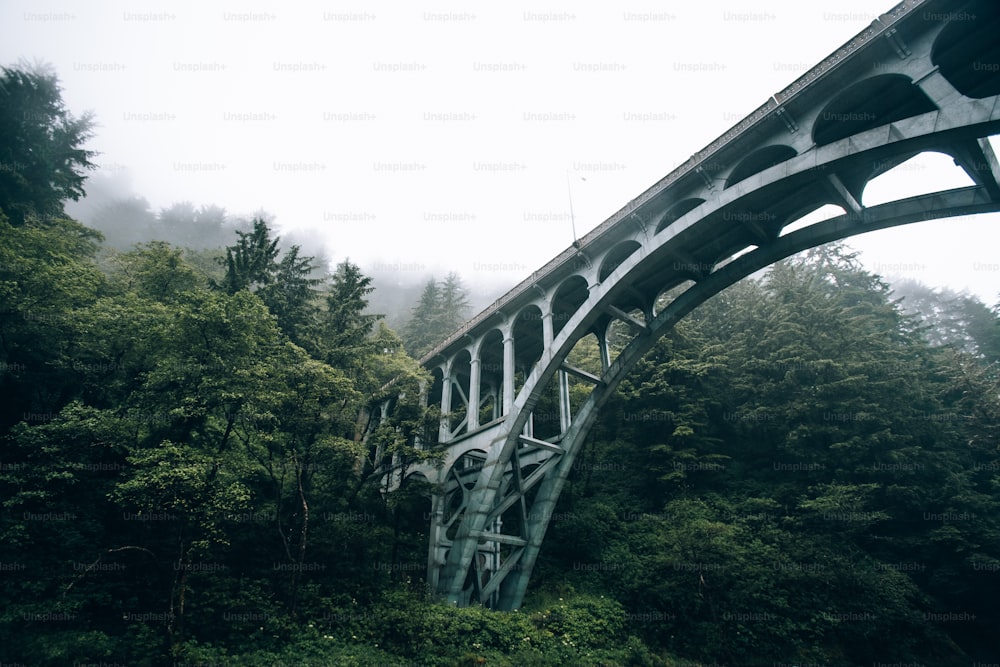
923 77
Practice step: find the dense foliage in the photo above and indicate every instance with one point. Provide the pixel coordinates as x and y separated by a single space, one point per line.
800 473
795 474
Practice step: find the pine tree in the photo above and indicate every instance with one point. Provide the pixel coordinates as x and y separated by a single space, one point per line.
250 262
346 325
454 303
286 286
442 309
420 332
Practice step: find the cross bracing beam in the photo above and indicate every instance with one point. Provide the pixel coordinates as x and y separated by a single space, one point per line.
628 319
582 374
540 444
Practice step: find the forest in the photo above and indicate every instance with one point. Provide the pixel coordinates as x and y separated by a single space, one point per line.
804 471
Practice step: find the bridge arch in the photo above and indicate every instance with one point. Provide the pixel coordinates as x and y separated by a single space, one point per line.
689 236
961 202
658 259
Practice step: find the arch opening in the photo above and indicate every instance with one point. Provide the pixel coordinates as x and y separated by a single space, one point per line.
567 300
868 104
922 174
736 255
459 408
620 333
615 257
677 211
758 161
459 481
668 294
824 212
565 392
528 345
490 377
586 356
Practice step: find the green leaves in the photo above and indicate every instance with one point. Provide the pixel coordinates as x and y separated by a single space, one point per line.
154 270
796 475
46 275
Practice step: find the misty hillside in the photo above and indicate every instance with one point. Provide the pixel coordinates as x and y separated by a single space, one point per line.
126 218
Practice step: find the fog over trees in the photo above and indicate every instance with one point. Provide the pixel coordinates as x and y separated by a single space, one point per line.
805 470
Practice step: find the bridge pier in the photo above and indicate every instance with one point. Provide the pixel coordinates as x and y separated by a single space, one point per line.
474 382
508 373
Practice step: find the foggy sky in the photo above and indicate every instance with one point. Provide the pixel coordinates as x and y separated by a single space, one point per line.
418 139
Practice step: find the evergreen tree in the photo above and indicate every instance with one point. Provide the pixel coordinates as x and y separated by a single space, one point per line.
251 262
950 318
442 309
420 333
454 302
42 161
290 296
123 222
347 325
286 286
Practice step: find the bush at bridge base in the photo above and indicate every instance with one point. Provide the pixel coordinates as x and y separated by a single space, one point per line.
406 628
577 630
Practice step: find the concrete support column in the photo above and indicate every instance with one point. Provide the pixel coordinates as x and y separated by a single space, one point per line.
435 555
473 408
444 431
547 334
494 561
565 414
507 393
495 393
602 346
936 87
